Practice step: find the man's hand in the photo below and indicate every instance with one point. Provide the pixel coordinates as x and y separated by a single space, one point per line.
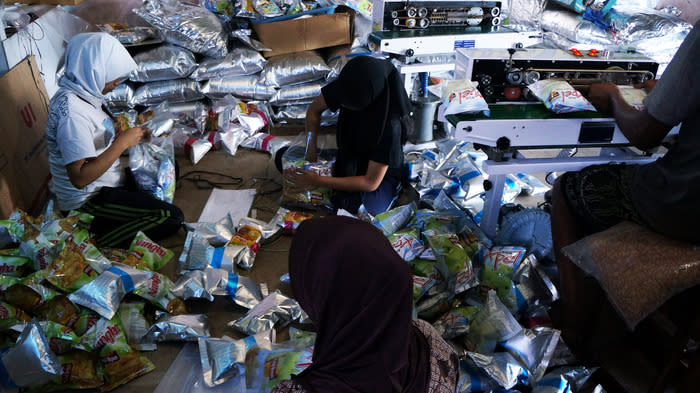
647 85
301 179
600 95
131 137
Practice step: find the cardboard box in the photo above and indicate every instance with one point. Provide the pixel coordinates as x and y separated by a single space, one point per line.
24 164
301 34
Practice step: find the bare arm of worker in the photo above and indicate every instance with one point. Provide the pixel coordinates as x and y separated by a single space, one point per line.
640 128
313 124
305 180
83 172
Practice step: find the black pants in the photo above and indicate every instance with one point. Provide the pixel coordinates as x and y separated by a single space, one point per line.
121 213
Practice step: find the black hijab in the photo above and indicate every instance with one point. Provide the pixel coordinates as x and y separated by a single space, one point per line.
369 93
357 291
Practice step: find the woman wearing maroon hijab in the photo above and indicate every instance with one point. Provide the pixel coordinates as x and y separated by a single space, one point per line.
358 293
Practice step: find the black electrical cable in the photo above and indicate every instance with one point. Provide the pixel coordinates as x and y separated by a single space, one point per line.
205 183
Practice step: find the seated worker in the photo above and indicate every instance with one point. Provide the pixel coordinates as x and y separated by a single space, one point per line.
374 112
662 195
84 150
366 340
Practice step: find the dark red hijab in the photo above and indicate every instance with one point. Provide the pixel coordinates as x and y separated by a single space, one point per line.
358 293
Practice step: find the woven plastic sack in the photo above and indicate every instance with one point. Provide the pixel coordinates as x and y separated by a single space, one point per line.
638 269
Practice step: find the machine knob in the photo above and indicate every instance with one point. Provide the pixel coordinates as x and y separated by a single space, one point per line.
487 185
410 52
511 51
503 143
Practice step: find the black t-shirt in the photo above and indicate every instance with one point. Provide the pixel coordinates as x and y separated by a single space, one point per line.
359 143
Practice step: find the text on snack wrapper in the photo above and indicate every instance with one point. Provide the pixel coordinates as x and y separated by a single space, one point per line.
109 336
155 284
152 247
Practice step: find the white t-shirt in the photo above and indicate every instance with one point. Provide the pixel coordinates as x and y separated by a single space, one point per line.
77 130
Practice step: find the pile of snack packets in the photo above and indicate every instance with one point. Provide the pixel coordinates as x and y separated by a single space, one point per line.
73 316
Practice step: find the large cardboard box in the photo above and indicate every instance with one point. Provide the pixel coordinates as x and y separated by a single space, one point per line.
24 165
301 34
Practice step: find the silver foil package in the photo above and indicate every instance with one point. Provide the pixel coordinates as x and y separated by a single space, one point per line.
121 96
240 61
563 380
223 359
492 324
104 293
217 233
192 27
130 35
184 327
474 380
135 325
176 90
455 322
294 68
297 92
502 367
163 63
245 242
31 362
198 254
533 286
275 310
266 142
533 348
243 35
205 284
197 148
245 87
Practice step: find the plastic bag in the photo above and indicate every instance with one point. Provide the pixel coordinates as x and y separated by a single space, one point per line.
192 27
294 158
559 96
240 61
176 90
244 87
294 68
462 96
163 63
306 91
154 169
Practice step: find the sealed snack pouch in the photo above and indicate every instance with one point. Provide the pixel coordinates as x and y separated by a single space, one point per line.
559 96
534 349
246 241
28 297
59 309
502 367
184 327
393 220
30 362
266 368
135 325
294 157
223 359
79 370
12 264
93 256
120 363
157 291
11 315
61 338
462 96
145 254
289 220
453 261
494 323
500 263
421 286
154 168
407 243
455 322
69 271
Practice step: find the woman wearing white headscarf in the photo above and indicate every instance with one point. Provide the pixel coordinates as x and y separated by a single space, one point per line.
84 149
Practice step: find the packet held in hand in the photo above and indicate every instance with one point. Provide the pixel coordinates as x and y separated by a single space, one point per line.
145 254
266 368
185 327
275 309
104 293
559 96
31 362
223 359
462 96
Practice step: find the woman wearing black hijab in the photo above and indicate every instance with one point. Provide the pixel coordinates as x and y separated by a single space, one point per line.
374 111
358 293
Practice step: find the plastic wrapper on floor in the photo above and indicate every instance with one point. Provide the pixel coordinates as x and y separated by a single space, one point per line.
192 27
163 63
177 90
276 310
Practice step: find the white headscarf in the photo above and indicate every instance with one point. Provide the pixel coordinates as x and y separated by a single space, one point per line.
92 60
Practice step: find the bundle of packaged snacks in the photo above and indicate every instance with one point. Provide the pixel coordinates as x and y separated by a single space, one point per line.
145 254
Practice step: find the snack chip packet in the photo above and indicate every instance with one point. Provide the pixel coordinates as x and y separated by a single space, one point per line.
274 310
289 220
500 263
246 241
453 260
533 348
492 324
157 290
559 96
69 271
135 325
145 254
184 327
455 322
12 264
61 339
11 315
266 368
502 367
223 359
79 370
265 142
28 297
31 362
407 243
462 96
391 221
59 309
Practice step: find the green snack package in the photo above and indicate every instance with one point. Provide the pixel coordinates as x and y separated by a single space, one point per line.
302 337
499 265
120 363
69 271
455 322
8 281
157 290
79 370
146 254
12 264
453 261
84 321
426 268
29 297
266 368
391 221
62 339
421 285
11 315
407 243
93 256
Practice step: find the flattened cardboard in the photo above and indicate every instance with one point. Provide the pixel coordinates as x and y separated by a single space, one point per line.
24 164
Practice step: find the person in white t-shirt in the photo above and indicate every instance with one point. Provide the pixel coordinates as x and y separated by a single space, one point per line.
84 149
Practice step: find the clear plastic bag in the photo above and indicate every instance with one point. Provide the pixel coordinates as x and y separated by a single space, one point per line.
153 166
294 157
